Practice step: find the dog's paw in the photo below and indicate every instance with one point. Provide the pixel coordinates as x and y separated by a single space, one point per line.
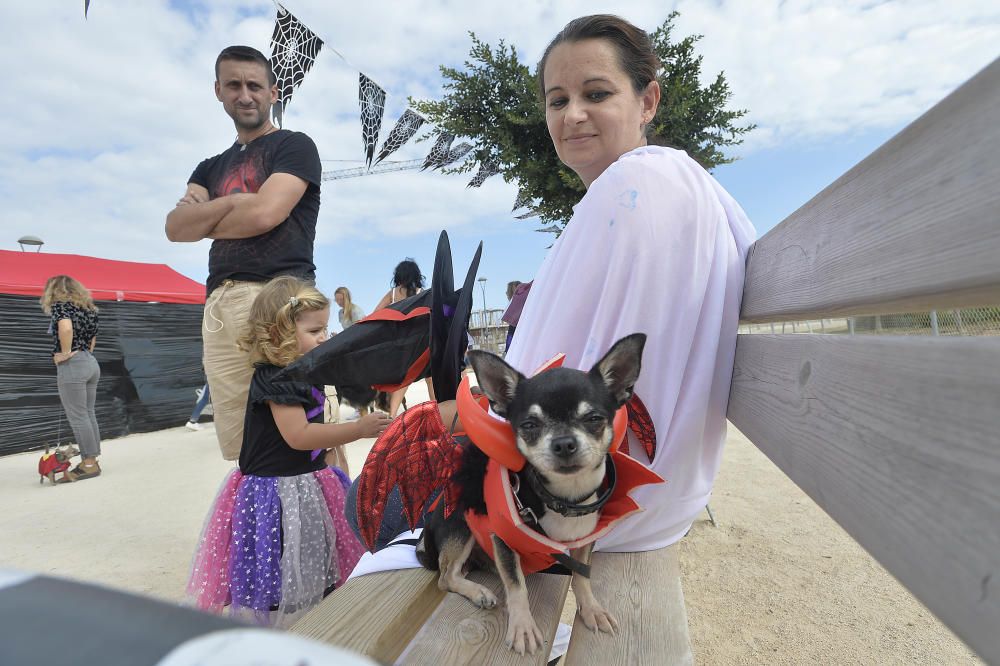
486 599
523 635
597 619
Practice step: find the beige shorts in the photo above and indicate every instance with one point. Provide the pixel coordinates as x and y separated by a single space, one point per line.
228 369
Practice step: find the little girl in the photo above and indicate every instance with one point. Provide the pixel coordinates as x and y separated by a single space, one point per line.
276 540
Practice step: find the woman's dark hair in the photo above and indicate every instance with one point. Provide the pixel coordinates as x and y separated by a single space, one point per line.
635 49
407 275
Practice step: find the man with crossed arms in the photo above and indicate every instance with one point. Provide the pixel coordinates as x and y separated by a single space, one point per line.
258 201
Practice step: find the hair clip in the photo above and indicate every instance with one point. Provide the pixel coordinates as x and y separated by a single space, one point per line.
293 301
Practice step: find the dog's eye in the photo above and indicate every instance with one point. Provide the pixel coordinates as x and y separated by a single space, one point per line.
594 418
528 426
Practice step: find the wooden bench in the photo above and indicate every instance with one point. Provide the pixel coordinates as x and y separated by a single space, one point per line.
897 438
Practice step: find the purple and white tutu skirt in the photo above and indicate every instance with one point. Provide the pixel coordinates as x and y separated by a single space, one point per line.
272 547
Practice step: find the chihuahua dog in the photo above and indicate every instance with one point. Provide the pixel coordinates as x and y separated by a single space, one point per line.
562 422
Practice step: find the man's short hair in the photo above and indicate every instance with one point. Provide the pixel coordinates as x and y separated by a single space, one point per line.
246 54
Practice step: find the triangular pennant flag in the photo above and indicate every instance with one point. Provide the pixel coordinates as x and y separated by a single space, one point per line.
294 48
486 169
522 200
456 153
86 7
403 131
525 216
372 99
439 151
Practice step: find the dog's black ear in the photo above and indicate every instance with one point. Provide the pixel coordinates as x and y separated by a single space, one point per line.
497 379
619 369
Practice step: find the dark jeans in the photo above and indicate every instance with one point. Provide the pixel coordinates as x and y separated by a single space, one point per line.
77 380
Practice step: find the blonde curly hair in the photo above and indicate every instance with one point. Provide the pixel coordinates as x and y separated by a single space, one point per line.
269 335
63 288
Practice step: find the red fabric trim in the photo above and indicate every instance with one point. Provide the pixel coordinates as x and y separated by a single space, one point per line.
388 314
534 549
411 374
641 423
25 274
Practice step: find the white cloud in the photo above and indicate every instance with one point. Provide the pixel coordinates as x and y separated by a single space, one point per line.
809 70
106 118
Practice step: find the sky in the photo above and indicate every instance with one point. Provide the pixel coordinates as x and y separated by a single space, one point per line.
108 116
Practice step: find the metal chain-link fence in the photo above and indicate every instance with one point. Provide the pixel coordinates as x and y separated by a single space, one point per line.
968 321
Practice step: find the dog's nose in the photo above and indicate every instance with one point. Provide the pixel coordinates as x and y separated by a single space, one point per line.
564 446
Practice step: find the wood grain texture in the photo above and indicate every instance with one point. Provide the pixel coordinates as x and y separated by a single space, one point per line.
898 439
459 633
643 591
375 615
911 228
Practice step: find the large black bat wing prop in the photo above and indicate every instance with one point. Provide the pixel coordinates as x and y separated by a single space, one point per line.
415 453
421 336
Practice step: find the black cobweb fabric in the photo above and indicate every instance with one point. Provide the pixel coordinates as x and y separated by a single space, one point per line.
486 169
294 48
438 154
371 96
402 131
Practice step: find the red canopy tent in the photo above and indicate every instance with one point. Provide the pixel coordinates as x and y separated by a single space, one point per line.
25 274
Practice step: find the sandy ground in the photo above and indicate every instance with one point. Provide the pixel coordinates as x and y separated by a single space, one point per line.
776 582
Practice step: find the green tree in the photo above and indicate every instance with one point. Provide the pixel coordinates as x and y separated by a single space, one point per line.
494 101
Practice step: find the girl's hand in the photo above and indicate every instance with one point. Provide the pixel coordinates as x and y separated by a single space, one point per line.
373 424
60 357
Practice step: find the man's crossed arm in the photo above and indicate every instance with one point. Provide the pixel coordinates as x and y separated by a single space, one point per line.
239 215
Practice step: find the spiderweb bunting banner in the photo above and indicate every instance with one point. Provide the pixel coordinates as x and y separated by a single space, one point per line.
372 99
457 153
294 48
522 200
403 131
439 151
486 169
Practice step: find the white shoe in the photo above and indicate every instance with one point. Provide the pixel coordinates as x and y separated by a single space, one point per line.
191 425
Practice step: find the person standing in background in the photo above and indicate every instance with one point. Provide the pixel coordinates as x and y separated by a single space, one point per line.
350 312
258 201
407 280
74 326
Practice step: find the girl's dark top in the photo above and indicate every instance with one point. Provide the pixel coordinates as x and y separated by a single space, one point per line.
265 452
85 325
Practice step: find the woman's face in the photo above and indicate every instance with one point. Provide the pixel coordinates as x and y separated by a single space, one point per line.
339 297
593 113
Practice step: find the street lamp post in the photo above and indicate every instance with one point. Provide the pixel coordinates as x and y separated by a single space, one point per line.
30 240
486 328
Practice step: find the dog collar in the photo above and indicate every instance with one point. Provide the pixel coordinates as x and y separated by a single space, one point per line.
495 438
571 509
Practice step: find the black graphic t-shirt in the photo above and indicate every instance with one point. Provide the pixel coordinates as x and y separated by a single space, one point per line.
85 325
265 452
287 249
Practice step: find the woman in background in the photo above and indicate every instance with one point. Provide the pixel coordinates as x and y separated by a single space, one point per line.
350 312
406 281
74 326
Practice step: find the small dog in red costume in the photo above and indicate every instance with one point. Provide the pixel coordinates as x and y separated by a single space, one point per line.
532 493
51 464
543 494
